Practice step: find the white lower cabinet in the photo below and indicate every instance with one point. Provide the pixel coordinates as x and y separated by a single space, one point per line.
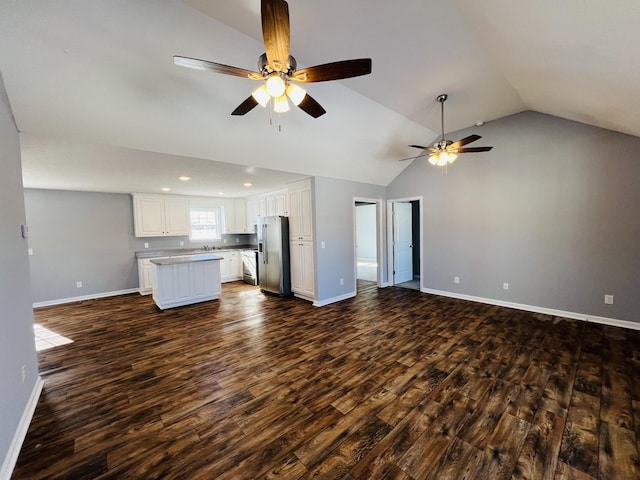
230 266
302 271
145 276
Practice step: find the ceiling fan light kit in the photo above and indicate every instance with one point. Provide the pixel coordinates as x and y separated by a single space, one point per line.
277 68
444 152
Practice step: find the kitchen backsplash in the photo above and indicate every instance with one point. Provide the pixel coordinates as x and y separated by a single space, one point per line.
228 240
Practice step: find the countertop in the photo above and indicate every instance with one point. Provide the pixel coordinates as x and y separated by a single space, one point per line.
170 252
198 257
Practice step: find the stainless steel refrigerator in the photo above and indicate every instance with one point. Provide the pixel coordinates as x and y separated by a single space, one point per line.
274 273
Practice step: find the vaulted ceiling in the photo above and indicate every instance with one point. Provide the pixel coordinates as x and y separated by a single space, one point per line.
101 106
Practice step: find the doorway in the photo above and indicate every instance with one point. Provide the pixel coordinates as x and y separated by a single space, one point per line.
367 243
405 232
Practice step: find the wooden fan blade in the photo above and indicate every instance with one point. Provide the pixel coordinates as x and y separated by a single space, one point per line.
429 149
312 107
334 71
473 149
414 157
245 106
275 33
213 67
465 141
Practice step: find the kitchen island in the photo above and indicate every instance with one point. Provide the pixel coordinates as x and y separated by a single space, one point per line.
186 279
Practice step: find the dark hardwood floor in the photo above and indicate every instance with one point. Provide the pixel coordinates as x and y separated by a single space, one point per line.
392 384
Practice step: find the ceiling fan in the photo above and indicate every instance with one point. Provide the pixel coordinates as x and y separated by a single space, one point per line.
444 151
278 69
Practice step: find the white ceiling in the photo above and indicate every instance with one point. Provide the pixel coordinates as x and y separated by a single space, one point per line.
94 89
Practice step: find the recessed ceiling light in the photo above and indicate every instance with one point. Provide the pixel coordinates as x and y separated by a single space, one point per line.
220 193
247 184
165 189
184 178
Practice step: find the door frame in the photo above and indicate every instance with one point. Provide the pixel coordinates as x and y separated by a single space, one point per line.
390 237
379 240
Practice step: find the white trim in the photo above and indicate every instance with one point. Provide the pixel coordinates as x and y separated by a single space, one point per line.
390 234
60 301
532 308
339 298
21 432
379 239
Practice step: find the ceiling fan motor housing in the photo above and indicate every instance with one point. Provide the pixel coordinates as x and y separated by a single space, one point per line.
263 65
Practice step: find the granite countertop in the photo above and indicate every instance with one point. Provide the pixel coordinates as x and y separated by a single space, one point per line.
199 257
171 252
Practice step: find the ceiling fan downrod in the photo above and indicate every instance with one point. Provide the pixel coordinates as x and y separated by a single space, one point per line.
442 98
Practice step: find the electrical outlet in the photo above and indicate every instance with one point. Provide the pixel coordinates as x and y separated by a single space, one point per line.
237 240
224 240
342 281
182 243
505 286
456 279
321 244
608 299
146 245
78 284
30 251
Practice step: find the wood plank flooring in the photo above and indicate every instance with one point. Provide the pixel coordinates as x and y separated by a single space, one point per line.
391 384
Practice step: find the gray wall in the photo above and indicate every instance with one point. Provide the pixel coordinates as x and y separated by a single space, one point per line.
88 237
17 347
335 225
552 209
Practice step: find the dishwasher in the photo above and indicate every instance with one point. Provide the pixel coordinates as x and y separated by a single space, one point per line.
250 266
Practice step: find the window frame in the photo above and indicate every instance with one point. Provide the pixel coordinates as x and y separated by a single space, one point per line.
218 214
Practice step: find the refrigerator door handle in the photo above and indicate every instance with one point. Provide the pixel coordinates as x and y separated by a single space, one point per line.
265 247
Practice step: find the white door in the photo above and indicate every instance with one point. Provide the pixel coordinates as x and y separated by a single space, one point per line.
402 246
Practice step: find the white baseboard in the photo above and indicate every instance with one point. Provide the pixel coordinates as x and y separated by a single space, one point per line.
60 301
322 303
532 308
21 432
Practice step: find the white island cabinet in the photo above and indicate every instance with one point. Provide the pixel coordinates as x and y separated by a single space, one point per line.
185 280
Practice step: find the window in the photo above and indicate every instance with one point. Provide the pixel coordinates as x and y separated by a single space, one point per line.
206 223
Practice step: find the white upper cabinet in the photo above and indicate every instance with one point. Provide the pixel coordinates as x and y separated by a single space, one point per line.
240 216
281 203
275 203
300 211
160 215
252 214
235 215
